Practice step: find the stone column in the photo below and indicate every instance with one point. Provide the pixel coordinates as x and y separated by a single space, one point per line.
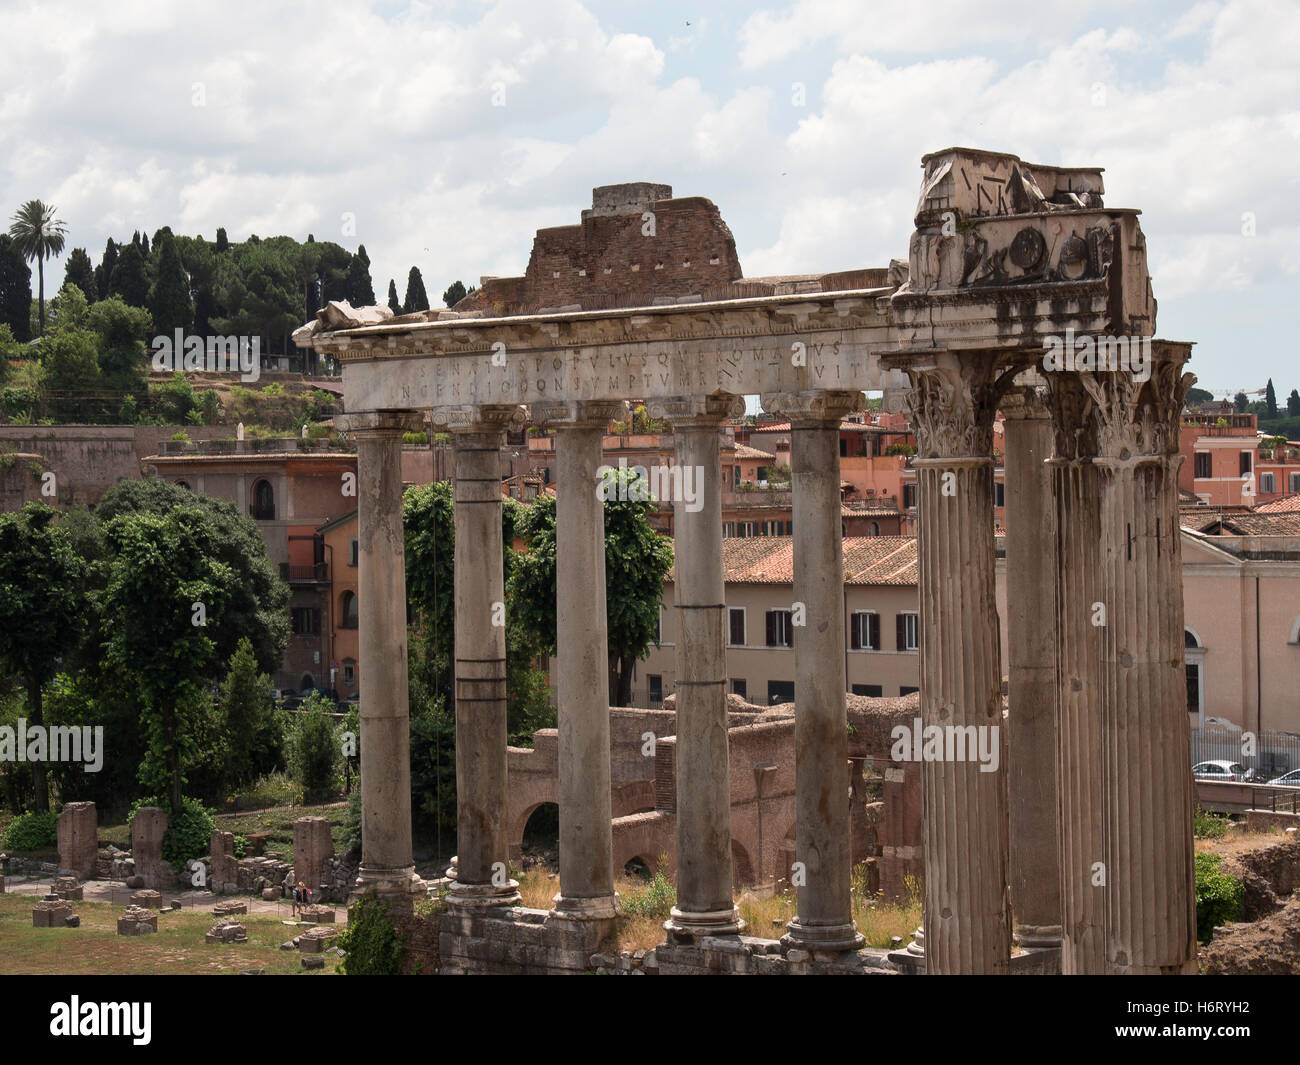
386 863
582 673
1031 661
824 921
704 874
78 836
482 846
967 912
1137 746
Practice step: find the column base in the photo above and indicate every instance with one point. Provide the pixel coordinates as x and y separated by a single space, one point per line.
836 938
472 898
689 925
598 908
1029 935
379 881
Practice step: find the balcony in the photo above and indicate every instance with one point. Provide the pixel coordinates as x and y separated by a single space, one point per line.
308 574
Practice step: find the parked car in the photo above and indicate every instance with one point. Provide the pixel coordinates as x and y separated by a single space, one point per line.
1219 769
1288 780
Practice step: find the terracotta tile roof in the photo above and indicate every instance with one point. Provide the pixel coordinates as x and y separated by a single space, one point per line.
1274 524
868 560
1282 505
744 451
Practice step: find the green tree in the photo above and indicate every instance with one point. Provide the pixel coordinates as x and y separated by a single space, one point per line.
41 608
258 606
71 373
130 280
1240 402
416 300
1293 404
637 559
104 271
245 711
314 750
257 287
394 304
223 242
456 292
166 588
361 291
40 236
169 299
1270 399
15 290
123 360
68 309
1197 396
81 272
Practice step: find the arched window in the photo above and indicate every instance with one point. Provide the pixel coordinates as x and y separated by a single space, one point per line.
349 611
873 529
263 508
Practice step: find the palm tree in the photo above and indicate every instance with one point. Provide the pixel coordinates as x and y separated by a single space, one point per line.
39 236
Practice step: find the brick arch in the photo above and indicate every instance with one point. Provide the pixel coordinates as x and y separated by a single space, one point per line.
525 797
742 868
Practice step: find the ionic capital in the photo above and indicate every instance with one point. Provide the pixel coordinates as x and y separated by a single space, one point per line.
813 409
476 418
705 412
579 413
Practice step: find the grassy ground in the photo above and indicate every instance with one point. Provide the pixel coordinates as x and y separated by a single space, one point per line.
877 920
177 947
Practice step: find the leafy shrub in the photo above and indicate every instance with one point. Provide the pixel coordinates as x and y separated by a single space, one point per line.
655 900
351 837
415 438
33 831
1206 825
189 833
1219 896
371 942
241 846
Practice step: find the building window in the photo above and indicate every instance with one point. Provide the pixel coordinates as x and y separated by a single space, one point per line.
844 448
907 689
735 476
736 626
1245 465
353 551
1202 465
1267 482
872 691
1294 480
906 633
999 494
263 508
864 630
873 529
780 633
349 671
738 688
909 497
305 620
780 691
656 683
349 611
728 528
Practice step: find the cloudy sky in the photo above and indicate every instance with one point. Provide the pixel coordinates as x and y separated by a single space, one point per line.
446 133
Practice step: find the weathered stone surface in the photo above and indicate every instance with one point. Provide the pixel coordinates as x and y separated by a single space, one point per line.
78 842
226 930
137 922
313 961
312 847
67 888
72 921
230 907
315 940
50 914
269 894
147 899
147 831
224 874
317 914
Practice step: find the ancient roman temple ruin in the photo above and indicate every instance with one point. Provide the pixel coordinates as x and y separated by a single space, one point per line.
1084 831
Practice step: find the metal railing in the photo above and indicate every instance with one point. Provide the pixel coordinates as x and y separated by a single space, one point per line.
1274 752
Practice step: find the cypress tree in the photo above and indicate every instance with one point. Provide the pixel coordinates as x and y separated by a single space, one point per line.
222 242
393 304
416 299
15 290
169 300
361 292
129 280
104 271
1270 399
81 273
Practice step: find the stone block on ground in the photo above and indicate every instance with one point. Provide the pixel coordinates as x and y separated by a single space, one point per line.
316 939
230 908
269 894
226 930
316 914
67 888
147 830
78 839
137 922
73 920
148 899
313 961
50 914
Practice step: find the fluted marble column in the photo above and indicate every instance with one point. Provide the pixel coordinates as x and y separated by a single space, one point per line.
704 873
967 912
824 921
387 867
1031 663
483 851
582 674
1128 891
